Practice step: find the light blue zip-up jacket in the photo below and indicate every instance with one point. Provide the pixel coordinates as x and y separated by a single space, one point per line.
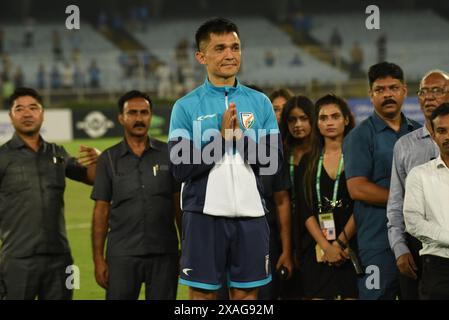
226 184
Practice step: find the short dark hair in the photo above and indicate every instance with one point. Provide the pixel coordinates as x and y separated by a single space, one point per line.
441 110
22 92
215 25
130 95
282 92
384 69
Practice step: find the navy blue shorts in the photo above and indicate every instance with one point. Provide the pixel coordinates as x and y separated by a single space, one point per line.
218 249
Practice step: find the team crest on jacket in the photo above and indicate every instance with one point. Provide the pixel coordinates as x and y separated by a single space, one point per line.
247 119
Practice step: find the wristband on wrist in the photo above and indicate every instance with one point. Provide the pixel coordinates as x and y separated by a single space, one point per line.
341 244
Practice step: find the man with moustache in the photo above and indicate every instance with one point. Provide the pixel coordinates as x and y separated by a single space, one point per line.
412 150
368 153
425 211
136 204
34 252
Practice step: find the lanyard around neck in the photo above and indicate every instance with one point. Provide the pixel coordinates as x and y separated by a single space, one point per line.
318 186
292 166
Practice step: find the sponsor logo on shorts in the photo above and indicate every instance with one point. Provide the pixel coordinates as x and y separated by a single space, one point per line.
186 271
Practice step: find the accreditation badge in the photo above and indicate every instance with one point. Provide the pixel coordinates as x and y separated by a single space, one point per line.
319 253
327 225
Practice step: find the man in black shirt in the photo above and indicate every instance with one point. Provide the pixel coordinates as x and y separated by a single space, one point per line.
137 200
35 253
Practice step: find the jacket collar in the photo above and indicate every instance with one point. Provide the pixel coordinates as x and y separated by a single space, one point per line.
222 90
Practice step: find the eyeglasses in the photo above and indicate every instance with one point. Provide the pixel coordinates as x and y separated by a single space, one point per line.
436 92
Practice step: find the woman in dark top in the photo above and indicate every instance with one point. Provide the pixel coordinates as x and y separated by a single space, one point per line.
296 126
325 207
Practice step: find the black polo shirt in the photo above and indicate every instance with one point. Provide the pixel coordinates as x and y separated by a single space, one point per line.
32 197
140 191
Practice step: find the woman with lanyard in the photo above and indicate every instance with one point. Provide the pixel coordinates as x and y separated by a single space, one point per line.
296 123
325 206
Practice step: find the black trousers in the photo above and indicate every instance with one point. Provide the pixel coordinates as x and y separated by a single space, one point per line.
42 276
159 272
409 286
434 283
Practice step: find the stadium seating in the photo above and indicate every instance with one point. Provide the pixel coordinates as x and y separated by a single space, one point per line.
92 45
258 36
417 41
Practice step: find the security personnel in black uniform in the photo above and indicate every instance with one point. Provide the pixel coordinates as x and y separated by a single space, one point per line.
35 253
137 201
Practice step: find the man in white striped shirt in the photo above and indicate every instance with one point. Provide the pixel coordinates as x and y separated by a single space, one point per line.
426 212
